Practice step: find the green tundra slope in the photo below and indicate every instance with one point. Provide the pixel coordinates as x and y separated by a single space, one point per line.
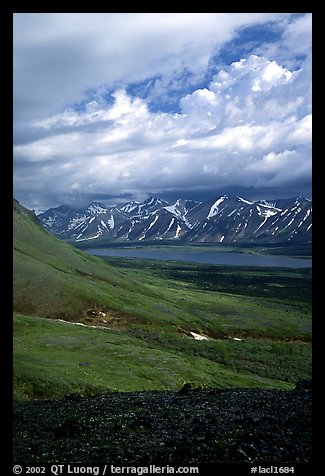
53 279
139 324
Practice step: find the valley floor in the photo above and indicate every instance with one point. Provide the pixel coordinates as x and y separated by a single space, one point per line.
255 327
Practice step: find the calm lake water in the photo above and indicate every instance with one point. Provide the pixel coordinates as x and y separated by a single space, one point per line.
231 259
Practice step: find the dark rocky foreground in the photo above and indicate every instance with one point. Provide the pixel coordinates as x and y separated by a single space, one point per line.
165 427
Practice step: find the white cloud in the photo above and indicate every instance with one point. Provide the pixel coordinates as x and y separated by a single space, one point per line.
273 162
234 134
250 126
59 56
298 35
302 133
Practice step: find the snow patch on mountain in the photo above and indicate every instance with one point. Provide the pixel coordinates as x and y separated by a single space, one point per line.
215 207
266 213
170 224
225 219
76 222
111 222
49 222
153 223
96 208
172 209
245 201
178 231
129 207
89 238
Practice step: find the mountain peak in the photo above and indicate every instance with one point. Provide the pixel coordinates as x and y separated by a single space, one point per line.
96 208
226 219
153 201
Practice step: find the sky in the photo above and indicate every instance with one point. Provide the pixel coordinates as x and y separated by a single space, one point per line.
121 106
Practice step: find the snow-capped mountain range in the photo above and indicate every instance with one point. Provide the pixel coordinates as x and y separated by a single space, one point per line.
225 219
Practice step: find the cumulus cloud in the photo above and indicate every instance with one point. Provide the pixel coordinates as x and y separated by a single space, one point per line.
60 56
230 132
249 126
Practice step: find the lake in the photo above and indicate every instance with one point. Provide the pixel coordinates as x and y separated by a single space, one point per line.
231 259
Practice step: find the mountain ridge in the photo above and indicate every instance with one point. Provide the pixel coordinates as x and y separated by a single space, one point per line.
222 219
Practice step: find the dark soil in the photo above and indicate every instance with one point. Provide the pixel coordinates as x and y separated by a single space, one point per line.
165 427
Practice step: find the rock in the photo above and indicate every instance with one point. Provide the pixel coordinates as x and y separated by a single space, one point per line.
72 396
304 384
185 389
188 427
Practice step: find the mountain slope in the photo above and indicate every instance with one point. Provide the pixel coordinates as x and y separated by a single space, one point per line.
91 223
224 219
234 219
53 279
152 219
143 335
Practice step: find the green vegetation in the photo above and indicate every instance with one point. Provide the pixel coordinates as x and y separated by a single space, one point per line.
149 309
53 279
53 358
238 301
275 283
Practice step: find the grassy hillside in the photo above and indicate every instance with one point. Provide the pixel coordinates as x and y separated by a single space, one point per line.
53 358
53 279
146 312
